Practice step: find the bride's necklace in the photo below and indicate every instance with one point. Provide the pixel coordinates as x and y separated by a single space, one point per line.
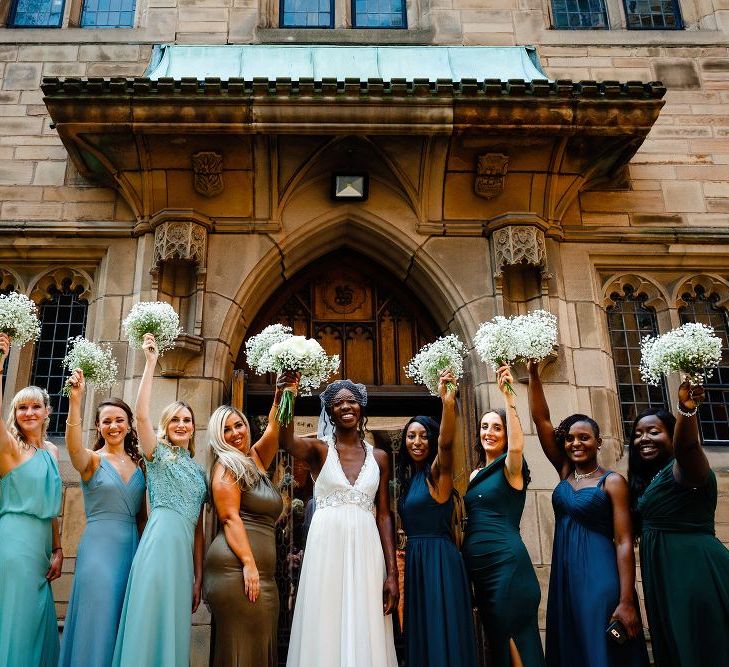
579 476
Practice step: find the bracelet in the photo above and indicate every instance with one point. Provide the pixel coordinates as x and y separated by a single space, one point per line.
68 423
690 413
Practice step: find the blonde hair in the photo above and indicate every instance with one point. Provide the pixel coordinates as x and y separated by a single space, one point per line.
31 393
241 466
166 417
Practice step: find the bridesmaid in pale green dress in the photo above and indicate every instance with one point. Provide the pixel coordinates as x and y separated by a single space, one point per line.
165 581
30 554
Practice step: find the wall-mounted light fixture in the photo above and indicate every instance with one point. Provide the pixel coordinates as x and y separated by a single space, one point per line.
350 187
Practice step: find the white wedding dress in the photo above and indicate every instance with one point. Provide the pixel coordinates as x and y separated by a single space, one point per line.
338 618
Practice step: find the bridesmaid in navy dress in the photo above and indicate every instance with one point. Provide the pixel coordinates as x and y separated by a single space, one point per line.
592 581
113 486
438 620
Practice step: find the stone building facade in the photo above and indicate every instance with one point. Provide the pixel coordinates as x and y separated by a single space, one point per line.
594 200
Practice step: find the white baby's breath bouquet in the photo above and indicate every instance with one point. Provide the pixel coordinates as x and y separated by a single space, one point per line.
506 340
152 317
447 352
19 318
96 361
276 350
693 349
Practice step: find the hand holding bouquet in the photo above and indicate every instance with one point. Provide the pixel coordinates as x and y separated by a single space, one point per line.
445 353
95 361
19 318
152 317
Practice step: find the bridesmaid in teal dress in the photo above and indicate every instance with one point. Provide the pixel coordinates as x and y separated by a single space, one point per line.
113 486
438 620
685 568
30 498
506 587
165 581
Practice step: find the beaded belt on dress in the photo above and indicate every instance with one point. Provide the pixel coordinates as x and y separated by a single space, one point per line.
349 497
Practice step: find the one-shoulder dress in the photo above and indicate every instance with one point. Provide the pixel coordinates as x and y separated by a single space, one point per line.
30 497
584 586
438 620
104 558
506 587
685 571
155 622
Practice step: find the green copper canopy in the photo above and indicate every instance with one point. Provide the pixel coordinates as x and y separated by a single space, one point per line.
346 62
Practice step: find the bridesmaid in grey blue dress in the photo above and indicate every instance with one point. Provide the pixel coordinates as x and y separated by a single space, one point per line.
113 486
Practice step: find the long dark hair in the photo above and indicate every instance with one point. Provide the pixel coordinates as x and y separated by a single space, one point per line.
131 439
640 472
561 432
478 447
406 469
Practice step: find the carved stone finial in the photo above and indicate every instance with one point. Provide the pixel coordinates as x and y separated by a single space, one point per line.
208 169
519 244
180 240
491 171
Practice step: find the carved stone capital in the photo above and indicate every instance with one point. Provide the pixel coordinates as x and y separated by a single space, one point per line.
519 244
180 240
173 362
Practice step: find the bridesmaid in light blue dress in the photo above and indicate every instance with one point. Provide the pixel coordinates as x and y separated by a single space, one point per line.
30 498
165 582
113 486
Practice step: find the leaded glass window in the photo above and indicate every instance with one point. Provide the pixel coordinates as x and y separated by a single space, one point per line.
36 13
579 14
108 14
714 411
379 14
629 320
307 14
653 15
62 315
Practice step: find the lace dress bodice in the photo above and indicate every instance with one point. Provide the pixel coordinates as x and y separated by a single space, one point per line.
176 481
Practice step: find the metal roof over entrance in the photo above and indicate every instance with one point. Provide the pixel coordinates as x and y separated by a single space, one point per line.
455 63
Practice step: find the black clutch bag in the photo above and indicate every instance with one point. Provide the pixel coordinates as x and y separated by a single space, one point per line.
616 631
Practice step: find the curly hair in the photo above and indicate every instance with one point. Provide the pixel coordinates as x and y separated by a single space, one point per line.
131 439
563 429
478 447
406 469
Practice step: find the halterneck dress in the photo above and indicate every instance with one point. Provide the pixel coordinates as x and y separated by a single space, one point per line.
584 586
338 618
506 587
438 620
245 631
104 558
155 622
30 497
685 571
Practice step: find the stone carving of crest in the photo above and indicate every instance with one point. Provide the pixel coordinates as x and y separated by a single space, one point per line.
519 245
491 171
208 169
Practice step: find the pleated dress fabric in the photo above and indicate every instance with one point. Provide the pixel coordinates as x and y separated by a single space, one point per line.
584 586
245 631
30 497
155 622
438 620
685 571
104 559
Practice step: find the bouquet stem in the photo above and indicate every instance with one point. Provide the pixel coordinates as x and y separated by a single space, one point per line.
285 411
451 387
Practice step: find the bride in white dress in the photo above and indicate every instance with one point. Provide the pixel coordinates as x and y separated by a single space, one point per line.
348 586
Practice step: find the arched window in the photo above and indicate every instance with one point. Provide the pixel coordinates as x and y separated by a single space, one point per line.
579 14
62 315
629 320
713 412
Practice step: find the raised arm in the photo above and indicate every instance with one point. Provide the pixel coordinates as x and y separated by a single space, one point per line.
226 496
386 528
264 451
540 416
692 462
515 443
145 428
9 454
84 460
442 468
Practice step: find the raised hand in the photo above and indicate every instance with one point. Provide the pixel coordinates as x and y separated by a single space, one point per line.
287 380
149 345
76 384
689 396
505 380
4 346
447 384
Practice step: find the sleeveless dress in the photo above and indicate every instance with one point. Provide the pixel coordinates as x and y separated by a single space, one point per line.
30 497
584 587
438 619
155 622
685 572
245 631
506 588
338 618
104 558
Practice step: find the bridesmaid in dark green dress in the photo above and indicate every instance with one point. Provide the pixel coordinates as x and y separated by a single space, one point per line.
507 590
685 567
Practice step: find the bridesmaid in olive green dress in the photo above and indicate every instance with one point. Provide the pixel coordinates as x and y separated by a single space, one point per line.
506 588
685 568
240 566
